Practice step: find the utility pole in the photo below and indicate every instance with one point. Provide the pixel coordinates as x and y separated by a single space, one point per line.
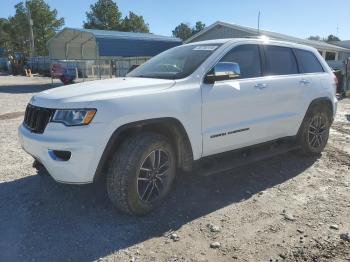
259 23
31 35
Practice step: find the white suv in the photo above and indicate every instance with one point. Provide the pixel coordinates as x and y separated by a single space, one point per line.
188 103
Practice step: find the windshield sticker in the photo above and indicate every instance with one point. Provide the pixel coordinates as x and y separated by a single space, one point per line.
205 48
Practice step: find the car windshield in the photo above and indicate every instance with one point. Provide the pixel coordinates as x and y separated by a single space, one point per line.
176 63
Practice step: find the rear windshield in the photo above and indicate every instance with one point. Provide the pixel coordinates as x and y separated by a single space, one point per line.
176 63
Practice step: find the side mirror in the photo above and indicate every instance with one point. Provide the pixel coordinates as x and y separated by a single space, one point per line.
223 71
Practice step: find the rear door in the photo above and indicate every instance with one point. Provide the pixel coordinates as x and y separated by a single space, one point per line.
284 90
314 79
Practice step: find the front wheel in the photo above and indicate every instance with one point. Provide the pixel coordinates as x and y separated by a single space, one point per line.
314 132
141 173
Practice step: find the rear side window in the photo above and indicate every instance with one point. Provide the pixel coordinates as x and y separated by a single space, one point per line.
280 61
308 62
248 59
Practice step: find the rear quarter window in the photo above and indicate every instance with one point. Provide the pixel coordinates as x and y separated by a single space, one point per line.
308 62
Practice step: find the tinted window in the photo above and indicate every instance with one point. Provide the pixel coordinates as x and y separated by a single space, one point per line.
308 62
280 61
175 63
248 58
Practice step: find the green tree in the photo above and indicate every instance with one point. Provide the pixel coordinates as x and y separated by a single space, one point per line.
185 31
314 37
17 30
182 31
104 15
198 27
332 38
45 23
134 23
5 40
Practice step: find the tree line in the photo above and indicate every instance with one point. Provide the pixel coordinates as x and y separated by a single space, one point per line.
329 39
15 30
103 15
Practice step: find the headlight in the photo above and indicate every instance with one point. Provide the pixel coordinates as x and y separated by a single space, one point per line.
74 117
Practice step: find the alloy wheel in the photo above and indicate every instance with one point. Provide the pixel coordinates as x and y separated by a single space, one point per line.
153 176
317 131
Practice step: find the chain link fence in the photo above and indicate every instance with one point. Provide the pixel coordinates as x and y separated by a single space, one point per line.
84 70
3 64
39 65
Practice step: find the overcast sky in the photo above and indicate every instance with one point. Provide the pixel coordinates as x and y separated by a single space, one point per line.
299 18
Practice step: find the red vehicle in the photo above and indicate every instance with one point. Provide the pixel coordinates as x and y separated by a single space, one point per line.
66 75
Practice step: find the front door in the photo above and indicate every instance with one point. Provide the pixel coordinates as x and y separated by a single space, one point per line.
229 118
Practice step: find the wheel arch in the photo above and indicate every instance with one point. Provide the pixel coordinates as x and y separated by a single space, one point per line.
325 102
170 127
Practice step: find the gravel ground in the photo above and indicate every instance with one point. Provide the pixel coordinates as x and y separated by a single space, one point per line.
288 208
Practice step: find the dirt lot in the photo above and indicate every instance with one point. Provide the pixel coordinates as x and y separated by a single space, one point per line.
288 208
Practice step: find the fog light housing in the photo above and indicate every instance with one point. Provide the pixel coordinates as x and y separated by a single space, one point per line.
60 155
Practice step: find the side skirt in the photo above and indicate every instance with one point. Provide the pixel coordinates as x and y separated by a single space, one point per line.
227 161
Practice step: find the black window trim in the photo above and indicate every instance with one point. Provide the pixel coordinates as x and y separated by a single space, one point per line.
296 61
265 59
300 66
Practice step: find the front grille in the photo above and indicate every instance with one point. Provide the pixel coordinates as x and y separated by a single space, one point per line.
36 118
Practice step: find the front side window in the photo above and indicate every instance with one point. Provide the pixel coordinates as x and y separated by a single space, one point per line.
280 61
248 59
176 63
308 62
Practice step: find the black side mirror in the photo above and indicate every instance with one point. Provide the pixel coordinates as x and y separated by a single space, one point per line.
222 71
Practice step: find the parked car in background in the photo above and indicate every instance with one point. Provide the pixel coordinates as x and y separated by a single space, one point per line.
184 106
66 75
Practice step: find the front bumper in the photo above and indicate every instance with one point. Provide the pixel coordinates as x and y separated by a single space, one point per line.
83 142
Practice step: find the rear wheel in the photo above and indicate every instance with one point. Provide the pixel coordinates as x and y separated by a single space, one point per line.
141 173
314 132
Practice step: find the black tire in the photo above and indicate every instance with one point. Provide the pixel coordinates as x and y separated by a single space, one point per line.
309 130
40 169
124 183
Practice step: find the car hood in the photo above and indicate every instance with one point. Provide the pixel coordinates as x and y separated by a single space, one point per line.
99 90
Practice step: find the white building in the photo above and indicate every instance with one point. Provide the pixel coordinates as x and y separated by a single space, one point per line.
225 30
345 44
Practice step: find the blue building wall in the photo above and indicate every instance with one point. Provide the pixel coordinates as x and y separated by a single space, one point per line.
133 47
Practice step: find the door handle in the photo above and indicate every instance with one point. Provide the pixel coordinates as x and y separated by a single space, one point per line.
304 82
260 86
